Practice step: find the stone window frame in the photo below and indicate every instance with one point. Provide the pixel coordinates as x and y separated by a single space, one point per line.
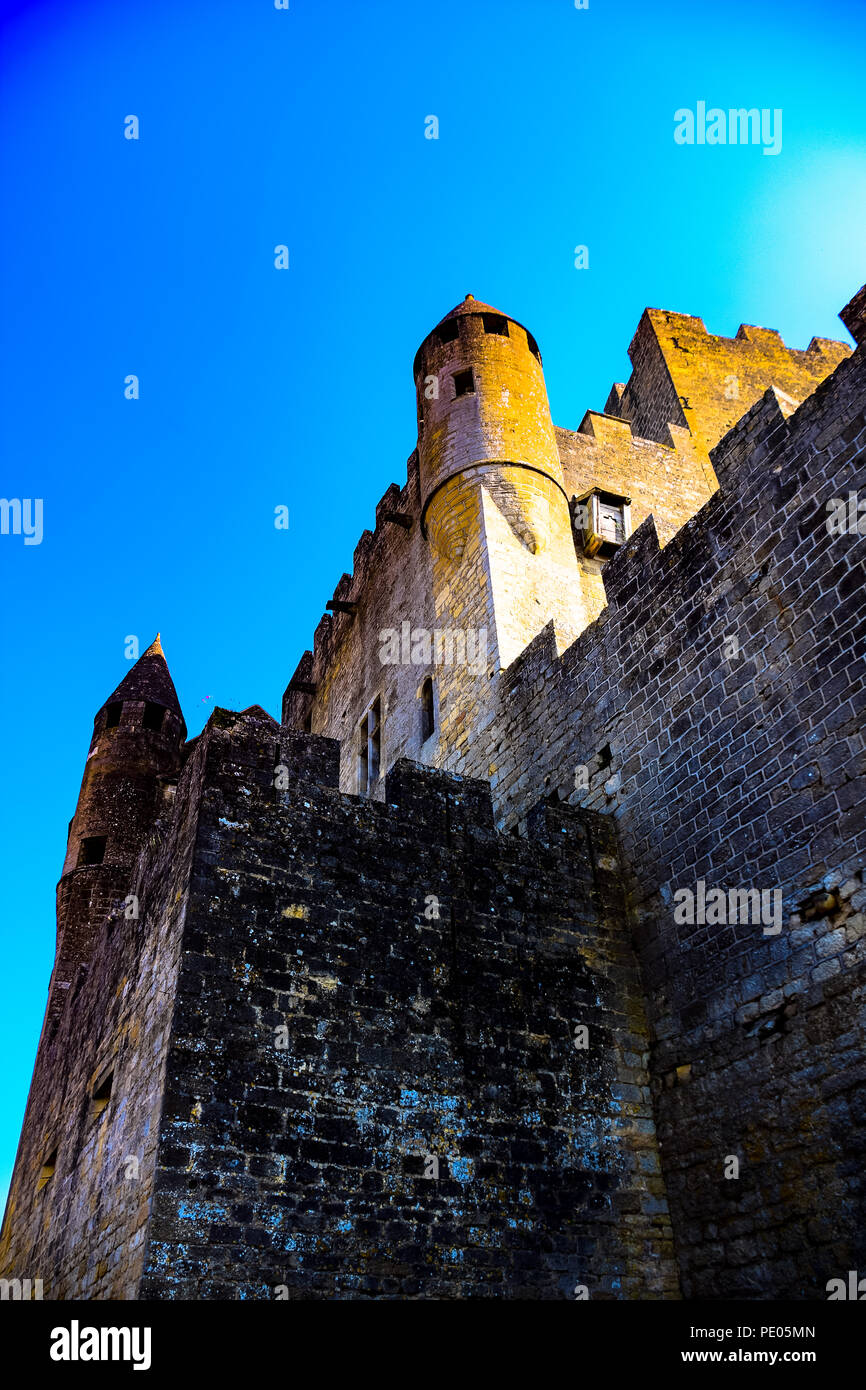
496 324
48 1166
448 331
87 849
463 374
113 714
370 747
101 1093
427 697
149 720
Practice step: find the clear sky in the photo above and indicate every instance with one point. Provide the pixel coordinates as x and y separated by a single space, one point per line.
262 387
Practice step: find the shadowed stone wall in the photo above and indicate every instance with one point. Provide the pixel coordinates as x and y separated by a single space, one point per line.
370 992
715 710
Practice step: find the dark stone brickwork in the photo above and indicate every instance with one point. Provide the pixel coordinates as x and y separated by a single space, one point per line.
429 975
83 1233
345 1037
745 770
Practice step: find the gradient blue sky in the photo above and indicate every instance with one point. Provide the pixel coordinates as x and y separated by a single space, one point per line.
261 387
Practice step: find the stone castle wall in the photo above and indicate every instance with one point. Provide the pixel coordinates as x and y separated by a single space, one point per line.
683 375
669 482
226 1166
390 583
497 555
412 1033
744 770
711 711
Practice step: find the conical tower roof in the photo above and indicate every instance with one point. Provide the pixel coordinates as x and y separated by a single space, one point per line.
470 305
473 306
149 679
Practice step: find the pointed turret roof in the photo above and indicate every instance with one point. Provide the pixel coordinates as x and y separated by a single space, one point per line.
474 306
149 679
469 305
257 712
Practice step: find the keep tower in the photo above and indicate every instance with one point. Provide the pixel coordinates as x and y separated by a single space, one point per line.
494 505
129 777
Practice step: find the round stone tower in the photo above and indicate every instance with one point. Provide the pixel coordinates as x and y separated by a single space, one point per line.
494 506
129 777
481 401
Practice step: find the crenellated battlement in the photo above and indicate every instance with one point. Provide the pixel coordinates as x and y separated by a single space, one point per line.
683 375
758 466
494 554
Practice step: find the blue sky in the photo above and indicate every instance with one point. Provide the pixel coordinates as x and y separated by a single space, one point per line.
261 387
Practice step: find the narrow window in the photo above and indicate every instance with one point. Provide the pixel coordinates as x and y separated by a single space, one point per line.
112 715
428 716
495 323
464 384
101 1095
92 850
370 748
46 1172
448 331
363 766
375 740
308 722
153 717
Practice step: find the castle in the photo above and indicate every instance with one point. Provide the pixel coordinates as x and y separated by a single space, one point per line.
525 957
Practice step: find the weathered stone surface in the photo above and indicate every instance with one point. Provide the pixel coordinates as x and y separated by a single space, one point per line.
746 771
320 996
428 975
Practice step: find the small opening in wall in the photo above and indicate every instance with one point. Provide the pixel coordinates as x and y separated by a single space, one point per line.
308 722
370 748
495 323
101 1095
46 1172
428 713
605 756
533 346
448 331
112 715
92 849
464 383
153 717
375 739
363 764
